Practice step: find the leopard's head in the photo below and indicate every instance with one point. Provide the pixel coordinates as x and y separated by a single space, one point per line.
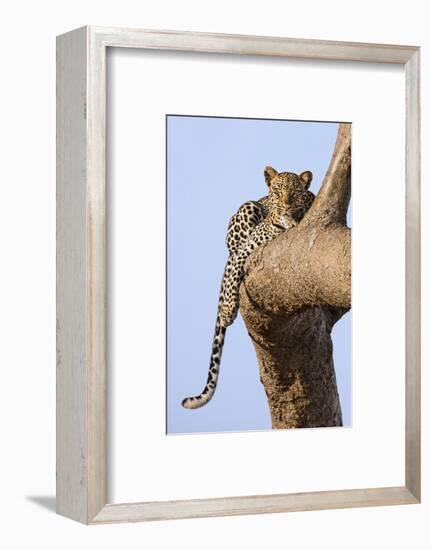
290 191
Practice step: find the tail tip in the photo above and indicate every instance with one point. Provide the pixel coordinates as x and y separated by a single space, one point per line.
189 403
192 402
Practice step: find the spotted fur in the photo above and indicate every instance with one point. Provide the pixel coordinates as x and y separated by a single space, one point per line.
254 224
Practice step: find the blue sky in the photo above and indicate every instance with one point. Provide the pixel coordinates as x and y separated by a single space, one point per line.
213 166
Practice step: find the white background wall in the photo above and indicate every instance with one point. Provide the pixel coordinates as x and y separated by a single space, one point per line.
27 301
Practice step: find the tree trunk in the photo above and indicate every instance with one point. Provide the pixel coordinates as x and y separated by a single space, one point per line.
295 289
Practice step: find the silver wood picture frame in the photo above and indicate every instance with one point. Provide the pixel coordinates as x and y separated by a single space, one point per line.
82 474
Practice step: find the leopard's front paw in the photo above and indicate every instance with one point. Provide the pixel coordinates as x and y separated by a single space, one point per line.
228 314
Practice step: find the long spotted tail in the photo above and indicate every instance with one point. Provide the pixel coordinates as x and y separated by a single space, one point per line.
210 387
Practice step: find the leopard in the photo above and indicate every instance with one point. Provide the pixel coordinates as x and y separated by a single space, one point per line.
254 224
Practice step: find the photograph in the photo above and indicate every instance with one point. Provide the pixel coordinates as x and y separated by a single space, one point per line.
258 274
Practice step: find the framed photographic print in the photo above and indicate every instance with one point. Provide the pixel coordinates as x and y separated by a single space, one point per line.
238 312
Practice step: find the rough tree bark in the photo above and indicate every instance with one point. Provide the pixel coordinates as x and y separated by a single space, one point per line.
295 289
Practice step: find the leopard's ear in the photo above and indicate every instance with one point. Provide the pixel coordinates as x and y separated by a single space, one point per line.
269 174
306 178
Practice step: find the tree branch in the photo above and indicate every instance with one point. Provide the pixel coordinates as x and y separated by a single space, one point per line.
332 201
294 290
304 267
